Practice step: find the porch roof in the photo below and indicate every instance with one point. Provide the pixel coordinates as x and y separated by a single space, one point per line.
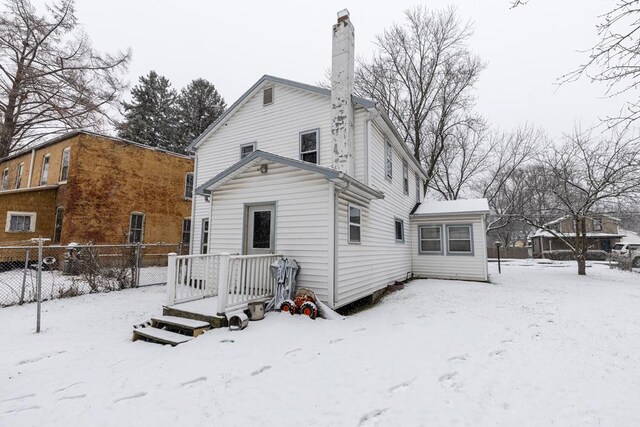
258 156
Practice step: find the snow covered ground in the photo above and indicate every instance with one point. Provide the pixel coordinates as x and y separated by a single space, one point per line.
538 346
55 283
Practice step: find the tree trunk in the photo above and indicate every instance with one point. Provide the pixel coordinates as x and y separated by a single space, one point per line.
581 246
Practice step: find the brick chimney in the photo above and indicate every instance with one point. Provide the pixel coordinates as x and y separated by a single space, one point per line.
342 76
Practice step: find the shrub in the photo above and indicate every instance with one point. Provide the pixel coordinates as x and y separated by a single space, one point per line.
567 255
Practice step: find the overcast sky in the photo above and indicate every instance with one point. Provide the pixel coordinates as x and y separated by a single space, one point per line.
233 43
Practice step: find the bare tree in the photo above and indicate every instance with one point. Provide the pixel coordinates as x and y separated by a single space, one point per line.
579 178
615 58
462 163
51 79
423 75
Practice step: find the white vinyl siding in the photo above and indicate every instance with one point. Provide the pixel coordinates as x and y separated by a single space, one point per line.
378 260
302 110
449 266
302 218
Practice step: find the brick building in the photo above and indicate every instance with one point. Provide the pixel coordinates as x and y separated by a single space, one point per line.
84 187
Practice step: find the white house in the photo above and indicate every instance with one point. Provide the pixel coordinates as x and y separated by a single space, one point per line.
323 177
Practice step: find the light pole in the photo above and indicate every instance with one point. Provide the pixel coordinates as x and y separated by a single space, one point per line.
498 248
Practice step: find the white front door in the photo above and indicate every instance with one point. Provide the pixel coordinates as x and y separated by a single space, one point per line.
260 227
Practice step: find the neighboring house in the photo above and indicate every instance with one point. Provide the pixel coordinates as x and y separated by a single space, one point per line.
602 234
83 187
323 177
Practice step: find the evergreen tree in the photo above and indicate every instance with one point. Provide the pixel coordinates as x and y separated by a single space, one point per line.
150 117
198 105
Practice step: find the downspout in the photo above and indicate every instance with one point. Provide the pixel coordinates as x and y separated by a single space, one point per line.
336 209
193 204
486 261
33 159
365 145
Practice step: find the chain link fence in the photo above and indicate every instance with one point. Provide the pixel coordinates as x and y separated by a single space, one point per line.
68 271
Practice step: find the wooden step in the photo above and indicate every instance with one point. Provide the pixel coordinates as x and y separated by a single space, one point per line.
160 336
180 324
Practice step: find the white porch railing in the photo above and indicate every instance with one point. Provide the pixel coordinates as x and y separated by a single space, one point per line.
235 279
192 277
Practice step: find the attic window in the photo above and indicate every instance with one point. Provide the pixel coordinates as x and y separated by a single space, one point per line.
267 96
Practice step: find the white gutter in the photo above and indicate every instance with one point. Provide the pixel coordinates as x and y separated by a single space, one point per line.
193 203
365 144
33 159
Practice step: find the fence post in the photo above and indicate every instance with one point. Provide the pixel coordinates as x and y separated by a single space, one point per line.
24 276
39 284
171 278
138 253
223 282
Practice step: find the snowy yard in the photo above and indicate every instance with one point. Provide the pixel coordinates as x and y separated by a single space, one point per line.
536 347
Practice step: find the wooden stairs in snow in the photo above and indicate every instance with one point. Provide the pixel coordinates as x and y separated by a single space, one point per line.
170 330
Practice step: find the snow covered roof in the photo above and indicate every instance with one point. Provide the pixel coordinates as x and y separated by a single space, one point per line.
593 215
629 236
543 233
470 206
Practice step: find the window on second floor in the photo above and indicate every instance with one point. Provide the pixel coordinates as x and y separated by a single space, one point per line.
188 185
136 227
417 189
44 172
19 175
388 156
5 180
246 149
64 167
405 177
309 146
596 224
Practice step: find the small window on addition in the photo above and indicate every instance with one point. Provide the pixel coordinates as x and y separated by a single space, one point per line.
267 96
399 230
355 216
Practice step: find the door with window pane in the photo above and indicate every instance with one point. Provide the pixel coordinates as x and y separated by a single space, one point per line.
260 229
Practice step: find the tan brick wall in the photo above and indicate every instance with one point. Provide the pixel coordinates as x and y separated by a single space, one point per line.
107 180
55 162
42 202
112 179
